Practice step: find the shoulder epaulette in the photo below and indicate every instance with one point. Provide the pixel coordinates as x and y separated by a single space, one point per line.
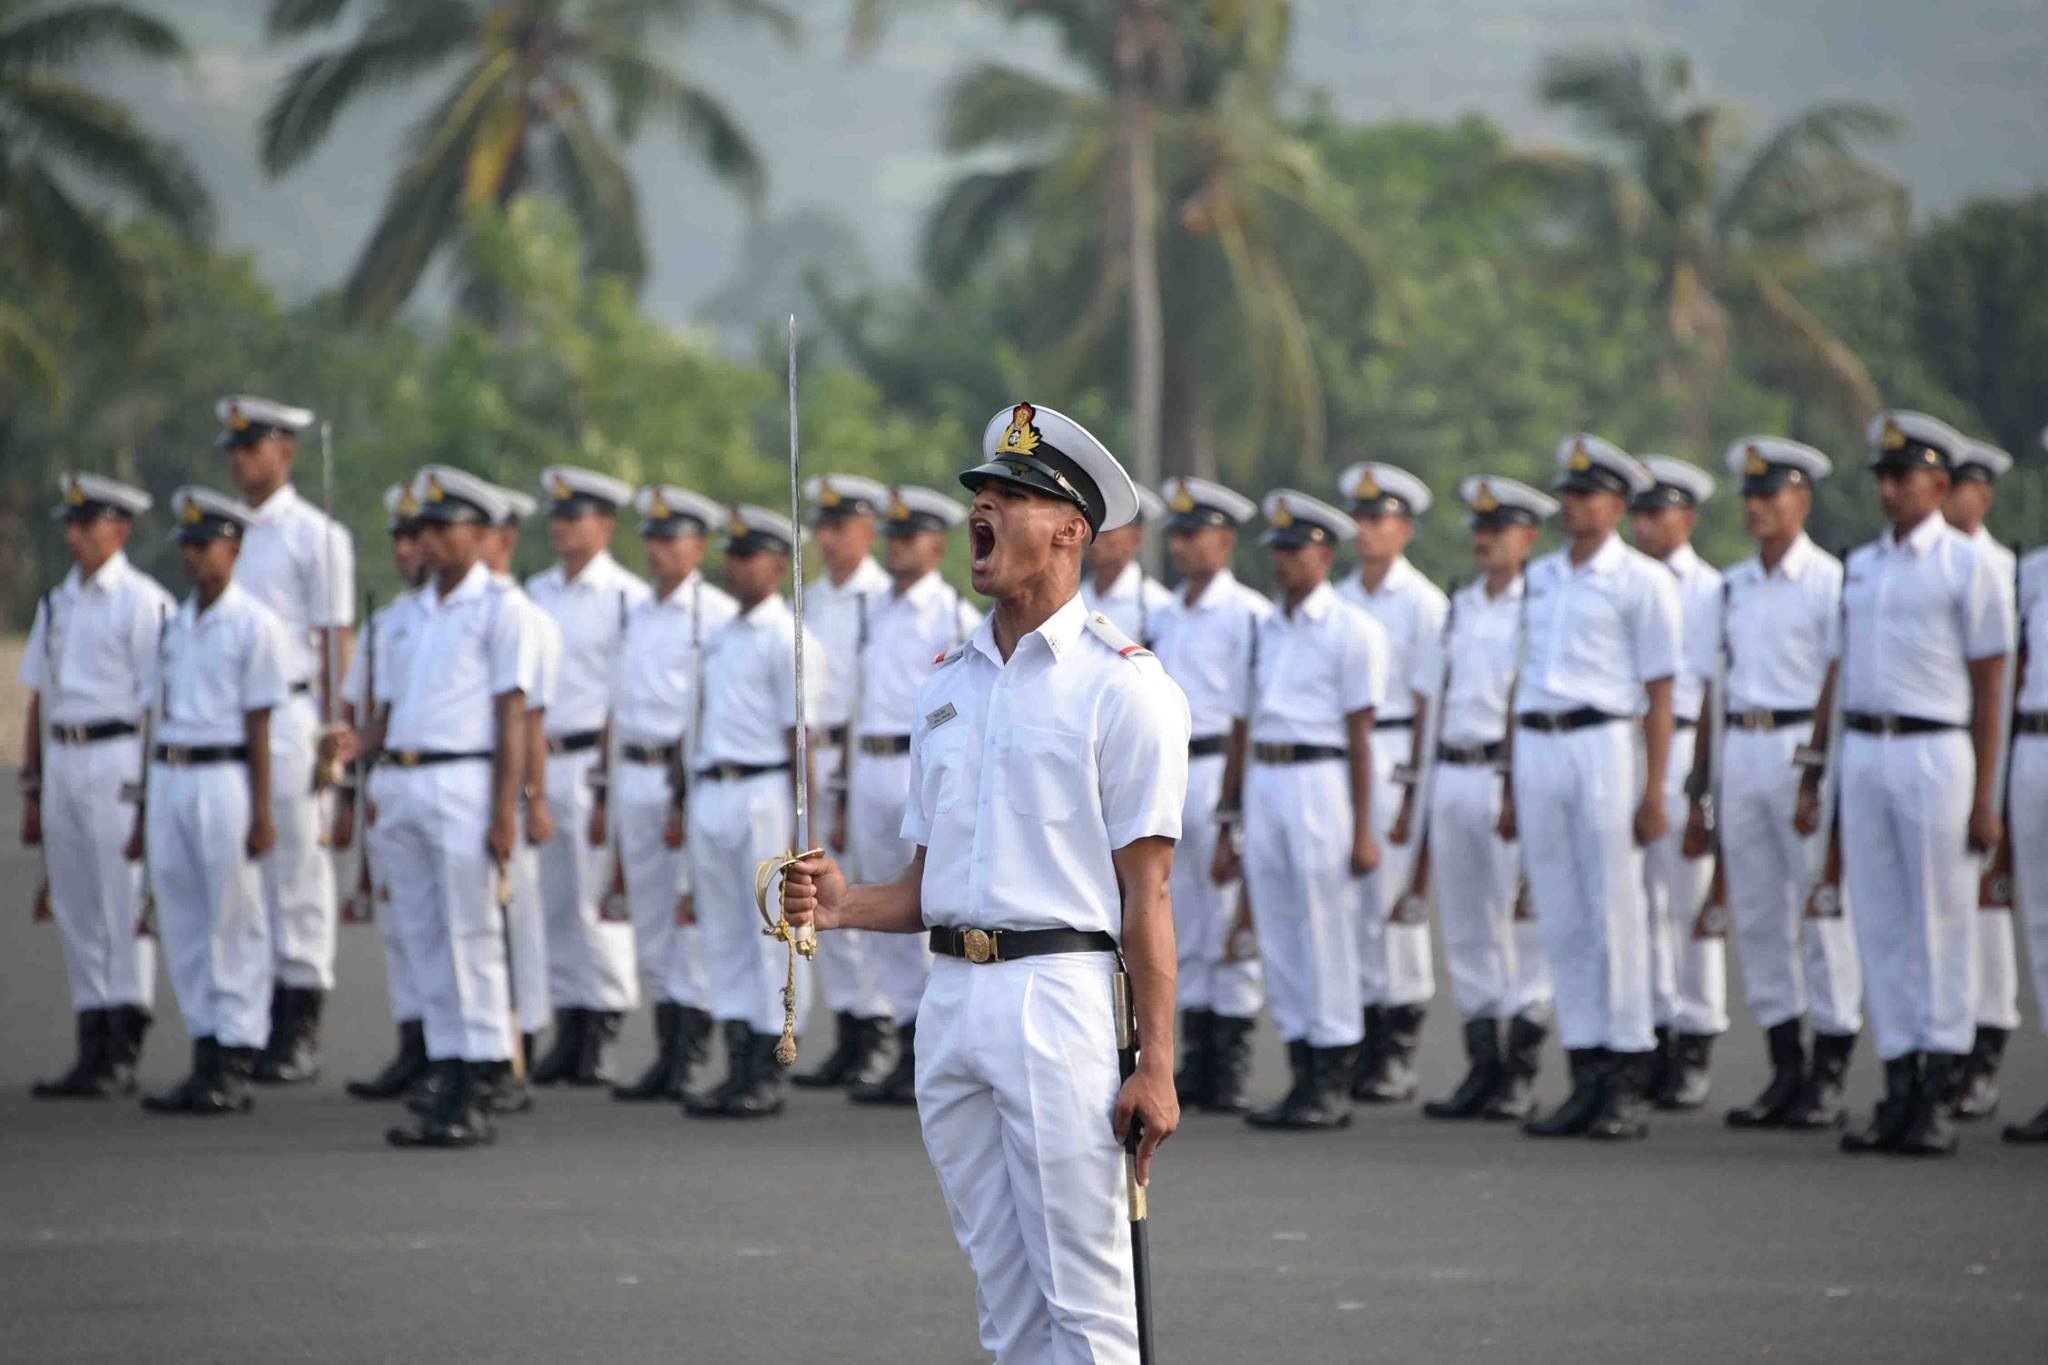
950 655
1104 629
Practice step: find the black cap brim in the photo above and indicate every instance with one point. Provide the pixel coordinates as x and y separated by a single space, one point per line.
452 512
1050 474
1772 480
1200 519
1592 481
671 528
1503 517
755 543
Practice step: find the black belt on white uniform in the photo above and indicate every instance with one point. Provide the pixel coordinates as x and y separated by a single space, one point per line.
884 746
1767 720
1685 722
1558 722
1392 722
1867 723
832 737
93 730
1007 945
656 754
733 772
576 743
301 689
2030 723
1297 753
1202 746
1471 755
427 758
191 755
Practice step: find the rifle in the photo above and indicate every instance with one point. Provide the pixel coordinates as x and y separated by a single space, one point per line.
615 908
45 910
1703 785
1412 907
361 905
1824 900
1994 886
138 791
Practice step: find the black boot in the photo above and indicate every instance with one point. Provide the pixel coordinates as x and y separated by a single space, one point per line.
1623 1099
662 1080
899 1086
90 1076
502 1090
840 1064
1686 1082
1482 1077
1328 1103
292 1057
1929 1133
1300 1058
1788 1078
560 1058
1230 1058
127 1026
228 1089
594 1056
1195 1083
738 1052
1820 1099
1514 1099
877 1050
2034 1130
1977 1096
1393 1071
461 1116
406 1066
693 1045
1662 1058
178 1099
767 1081
1894 1113
1364 1068
1583 1105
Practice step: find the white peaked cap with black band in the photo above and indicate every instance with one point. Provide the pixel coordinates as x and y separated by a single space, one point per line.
1051 453
1680 483
832 496
1375 489
1294 518
1195 503
84 497
1587 464
1495 500
1767 463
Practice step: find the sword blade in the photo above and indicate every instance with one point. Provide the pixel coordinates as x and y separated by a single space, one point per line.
803 737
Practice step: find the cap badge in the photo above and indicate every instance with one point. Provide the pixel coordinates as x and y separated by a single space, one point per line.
1756 466
1183 501
1893 438
1022 436
1580 460
408 505
435 493
73 493
193 513
1483 500
828 496
739 525
657 507
237 419
561 490
1368 486
1283 515
899 510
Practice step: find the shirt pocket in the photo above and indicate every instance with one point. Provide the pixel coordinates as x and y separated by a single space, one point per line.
1046 772
945 768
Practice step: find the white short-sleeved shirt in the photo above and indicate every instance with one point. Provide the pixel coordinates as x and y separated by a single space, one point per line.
2003 564
590 612
472 649
907 632
1410 609
393 630
1782 628
1599 632
1206 647
658 667
750 685
93 645
285 565
540 647
837 613
2033 614
1919 610
217 666
1133 603
1317 665
1699 617
1027 776
1482 641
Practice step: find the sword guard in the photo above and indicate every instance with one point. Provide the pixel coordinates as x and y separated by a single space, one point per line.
805 940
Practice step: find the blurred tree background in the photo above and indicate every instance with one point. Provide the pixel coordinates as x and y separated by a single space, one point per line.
1160 233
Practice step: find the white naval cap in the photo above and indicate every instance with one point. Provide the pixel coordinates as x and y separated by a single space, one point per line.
912 509
1768 463
204 515
667 511
1588 464
1499 501
571 492
1904 439
1196 503
844 495
1294 518
751 530
1981 462
447 494
84 497
401 508
1051 453
1151 510
1680 483
245 418
1377 490
519 506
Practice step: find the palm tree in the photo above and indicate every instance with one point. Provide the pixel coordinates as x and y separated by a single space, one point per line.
1729 235
64 148
517 118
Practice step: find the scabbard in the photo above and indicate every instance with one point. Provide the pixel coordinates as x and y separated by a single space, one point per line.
1141 1245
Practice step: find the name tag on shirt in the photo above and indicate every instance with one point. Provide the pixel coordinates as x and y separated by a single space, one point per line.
940 716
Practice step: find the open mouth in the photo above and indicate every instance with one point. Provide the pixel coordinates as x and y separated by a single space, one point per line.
981 541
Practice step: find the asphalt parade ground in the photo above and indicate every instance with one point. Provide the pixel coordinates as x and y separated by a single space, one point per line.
606 1232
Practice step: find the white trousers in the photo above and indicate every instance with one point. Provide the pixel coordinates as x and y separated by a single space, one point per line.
1792 966
95 892
445 889
590 960
1394 962
847 982
733 826
671 955
1203 911
1016 1089
1913 886
1305 902
1496 962
399 977
1689 976
1575 800
209 901
2029 804
298 873
894 966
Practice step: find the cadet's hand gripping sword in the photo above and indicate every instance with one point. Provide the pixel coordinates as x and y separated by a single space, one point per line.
1141 1235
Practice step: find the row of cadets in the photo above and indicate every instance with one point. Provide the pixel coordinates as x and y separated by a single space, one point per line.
1114 582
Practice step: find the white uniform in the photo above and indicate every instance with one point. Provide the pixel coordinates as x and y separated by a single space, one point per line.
1998 964
737 820
527 915
90 656
1206 646
1394 963
1918 612
1025 778
906 634
1133 603
302 566
472 649
216 667
1781 631
590 959
2028 796
394 628
1597 634
1316 665
655 708
1689 975
1497 966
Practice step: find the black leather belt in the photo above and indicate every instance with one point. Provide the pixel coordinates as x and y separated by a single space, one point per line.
659 754
884 746
1768 720
301 689
1867 723
191 755
2030 723
1685 722
832 737
1202 746
1559 722
733 772
1296 753
427 758
1392 722
99 729
1007 945
576 743
1470 755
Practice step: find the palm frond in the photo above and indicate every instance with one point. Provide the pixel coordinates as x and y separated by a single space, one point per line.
61 36
99 138
1614 93
600 193
1808 350
402 43
970 216
27 357
1827 134
294 18
993 105
1847 201
705 126
57 240
1600 198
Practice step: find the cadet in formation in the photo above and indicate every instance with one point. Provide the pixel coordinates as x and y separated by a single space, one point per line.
2027 798
1116 583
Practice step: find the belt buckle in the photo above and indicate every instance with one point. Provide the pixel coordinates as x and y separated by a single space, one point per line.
1754 720
408 758
70 734
1888 725
977 945
174 754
